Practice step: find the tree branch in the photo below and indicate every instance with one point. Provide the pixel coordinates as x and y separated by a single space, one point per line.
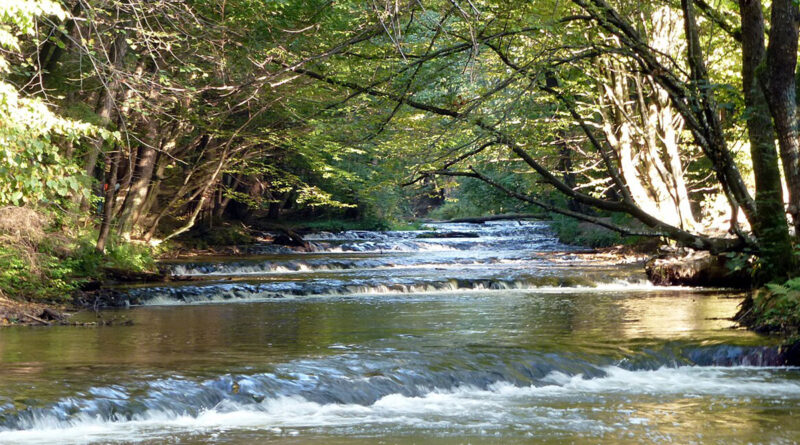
680 235
577 215
715 16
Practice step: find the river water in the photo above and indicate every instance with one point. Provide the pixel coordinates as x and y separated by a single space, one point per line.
501 335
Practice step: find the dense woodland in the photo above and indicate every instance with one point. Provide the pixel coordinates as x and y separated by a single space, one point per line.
129 124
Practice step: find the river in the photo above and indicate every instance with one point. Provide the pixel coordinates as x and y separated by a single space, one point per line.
498 335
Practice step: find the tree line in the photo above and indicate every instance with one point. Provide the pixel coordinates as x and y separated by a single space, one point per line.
670 119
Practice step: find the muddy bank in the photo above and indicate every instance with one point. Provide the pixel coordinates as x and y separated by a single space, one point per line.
13 312
26 313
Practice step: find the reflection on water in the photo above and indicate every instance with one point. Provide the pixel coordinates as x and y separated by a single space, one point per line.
616 363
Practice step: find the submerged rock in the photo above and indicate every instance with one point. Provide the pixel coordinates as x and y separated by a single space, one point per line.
696 269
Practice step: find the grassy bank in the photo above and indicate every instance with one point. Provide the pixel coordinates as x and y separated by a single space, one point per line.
46 261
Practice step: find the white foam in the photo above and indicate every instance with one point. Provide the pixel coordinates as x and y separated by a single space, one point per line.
500 406
739 381
422 289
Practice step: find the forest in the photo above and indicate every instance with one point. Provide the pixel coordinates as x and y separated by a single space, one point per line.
128 126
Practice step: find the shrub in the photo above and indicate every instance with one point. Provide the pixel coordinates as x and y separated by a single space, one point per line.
774 308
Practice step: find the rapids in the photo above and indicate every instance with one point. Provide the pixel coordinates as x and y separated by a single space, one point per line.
498 335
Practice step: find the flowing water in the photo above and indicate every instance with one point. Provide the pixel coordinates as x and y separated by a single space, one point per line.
498 335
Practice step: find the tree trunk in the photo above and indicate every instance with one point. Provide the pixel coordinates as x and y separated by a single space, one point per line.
770 227
781 95
106 104
646 188
203 144
127 168
223 204
51 52
110 185
204 194
152 193
142 175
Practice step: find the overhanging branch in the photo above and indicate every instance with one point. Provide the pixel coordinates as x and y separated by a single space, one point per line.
550 208
681 236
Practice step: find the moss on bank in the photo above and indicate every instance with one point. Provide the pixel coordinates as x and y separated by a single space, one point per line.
774 309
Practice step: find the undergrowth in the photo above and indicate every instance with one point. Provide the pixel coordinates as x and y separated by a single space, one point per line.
341 224
571 231
48 260
774 308
222 235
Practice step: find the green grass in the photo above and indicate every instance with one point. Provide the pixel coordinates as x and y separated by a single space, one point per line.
56 268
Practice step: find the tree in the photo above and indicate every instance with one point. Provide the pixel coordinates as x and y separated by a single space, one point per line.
198 120
32 166
500 93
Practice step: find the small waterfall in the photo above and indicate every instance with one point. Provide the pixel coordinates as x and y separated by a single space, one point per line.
238 291
490 257
343 389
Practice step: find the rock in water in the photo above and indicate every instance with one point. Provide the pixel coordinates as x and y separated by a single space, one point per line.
291 239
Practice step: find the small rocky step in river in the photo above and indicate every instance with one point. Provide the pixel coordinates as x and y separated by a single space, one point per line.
498 335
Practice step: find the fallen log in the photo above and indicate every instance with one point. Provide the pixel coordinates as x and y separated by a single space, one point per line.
132 276
290 238
36 319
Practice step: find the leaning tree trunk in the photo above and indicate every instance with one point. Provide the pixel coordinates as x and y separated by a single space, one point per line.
204 194
119 48
629 127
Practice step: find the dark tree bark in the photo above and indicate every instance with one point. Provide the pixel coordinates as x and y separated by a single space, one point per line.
770 225
142 175
119 48
781 63
110 188
51 52
233 183
200 145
